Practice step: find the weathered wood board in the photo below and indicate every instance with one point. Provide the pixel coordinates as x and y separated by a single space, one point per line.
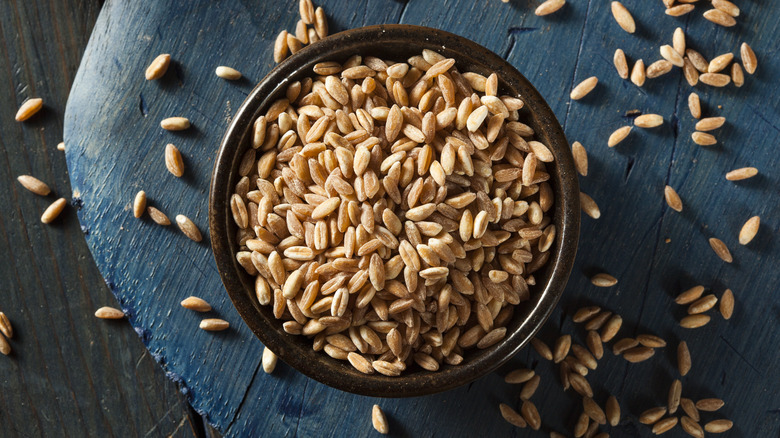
115 148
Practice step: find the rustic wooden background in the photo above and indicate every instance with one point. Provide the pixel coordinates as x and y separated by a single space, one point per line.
115 148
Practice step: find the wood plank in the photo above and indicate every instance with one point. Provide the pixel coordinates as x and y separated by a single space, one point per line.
117 153
69 374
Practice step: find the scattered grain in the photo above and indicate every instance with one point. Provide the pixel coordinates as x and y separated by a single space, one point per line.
109 313
188 228
5 326
721 250
621 64
584 87
139 204
694 105
704 139
158 67
269 360
53 210
710 123
638 74
673 199
719 17
683 358
214 324
603 280
623 17
709 404
512 416
619 135
548 7
196 304
29 108
228 73
741 173
652 415
718 426
727 304
175 123
694 321
748 58
34 185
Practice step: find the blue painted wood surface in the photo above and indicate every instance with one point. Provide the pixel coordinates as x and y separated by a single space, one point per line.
115 148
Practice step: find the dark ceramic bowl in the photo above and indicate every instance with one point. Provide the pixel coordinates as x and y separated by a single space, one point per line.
397 42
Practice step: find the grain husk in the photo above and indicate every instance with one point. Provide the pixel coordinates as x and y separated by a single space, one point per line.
34 185
53 211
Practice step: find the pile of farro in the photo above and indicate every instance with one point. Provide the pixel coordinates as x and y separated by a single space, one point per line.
394 212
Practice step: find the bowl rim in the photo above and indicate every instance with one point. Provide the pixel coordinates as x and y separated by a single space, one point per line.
323 368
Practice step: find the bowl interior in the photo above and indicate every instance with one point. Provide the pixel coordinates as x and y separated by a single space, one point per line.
395 42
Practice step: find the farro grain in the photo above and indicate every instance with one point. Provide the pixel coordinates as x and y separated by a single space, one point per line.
709 404
579 384
581 426
719 17
737 76
704 139
585 313
749 59
690 295
196 304
648 121
673 199
34 185
109 313
718 426
691 427
584 87
694 105
188 228
679 10
53 210
580 158
5 347
228 73
678 41
683 358
690 73
593 410
598 321
671 55
715 79
611 328
721 250
5 326
612 411
638 74
541 348
621 65
624 344
519 376
675 392
531 415
720 62
280 47
603 280
703 304
214 324
741 173
158 216
529 388
664 425
658 68
548 7
623 17
139 204
698 61
320 23
689 408
596 347
158 67
61 146
727 304
28 109
638 354
175 123
589 206
511 416
651 341
726 6
561 348
269 360
694 321
583 355
619 135
652 415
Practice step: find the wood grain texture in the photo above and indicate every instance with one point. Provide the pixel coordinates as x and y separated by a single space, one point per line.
116 149
69 374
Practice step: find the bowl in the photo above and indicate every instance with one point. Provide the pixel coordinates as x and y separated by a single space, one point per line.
397 42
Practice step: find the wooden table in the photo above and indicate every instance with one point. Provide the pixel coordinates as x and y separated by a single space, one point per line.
69 374
115 149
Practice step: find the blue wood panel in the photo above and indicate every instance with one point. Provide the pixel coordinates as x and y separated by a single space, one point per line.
115 148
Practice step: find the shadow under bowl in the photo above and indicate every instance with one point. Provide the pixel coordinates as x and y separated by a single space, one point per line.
396 42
